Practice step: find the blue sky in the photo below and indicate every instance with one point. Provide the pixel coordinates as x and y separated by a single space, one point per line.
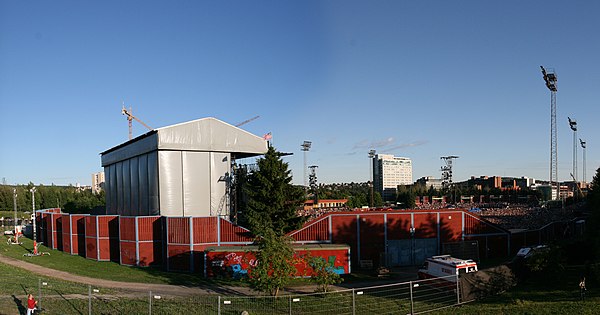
420 79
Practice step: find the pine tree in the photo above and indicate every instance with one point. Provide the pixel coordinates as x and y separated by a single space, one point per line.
272 200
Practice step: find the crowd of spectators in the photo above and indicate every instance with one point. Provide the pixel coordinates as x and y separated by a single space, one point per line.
508 216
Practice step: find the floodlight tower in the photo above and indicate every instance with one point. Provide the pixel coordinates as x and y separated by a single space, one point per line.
573 126
583 145
372 161
305 147
550 79
447 172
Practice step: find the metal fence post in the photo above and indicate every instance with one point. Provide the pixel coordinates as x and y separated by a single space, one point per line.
219 306
457 290
150 302
353 302
412 304
89 299
290 301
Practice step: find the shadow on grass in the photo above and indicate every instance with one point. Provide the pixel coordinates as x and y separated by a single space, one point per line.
21 308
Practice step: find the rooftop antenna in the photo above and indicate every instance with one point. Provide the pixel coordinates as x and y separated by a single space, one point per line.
550 79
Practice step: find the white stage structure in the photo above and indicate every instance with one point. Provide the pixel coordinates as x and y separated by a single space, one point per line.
178 170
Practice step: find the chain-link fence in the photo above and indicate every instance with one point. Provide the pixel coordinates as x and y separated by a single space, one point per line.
413 297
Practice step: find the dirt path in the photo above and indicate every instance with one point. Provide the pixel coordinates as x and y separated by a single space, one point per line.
164 289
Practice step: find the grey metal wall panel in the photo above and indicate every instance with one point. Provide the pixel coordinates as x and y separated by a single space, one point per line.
139 147
113 188
196 184
126 188
135 189
153 182
170 174
219 172
143 185
120 193
107 189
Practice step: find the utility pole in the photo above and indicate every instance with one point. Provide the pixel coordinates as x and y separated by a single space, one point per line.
550 78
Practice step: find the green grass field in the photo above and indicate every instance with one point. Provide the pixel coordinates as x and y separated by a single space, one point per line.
104 270
546 294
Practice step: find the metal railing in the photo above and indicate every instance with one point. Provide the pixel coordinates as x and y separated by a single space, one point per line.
413 297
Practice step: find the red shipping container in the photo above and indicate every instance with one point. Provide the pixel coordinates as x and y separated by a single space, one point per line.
186 238
102 237
73 234
140 241
56 230
236 261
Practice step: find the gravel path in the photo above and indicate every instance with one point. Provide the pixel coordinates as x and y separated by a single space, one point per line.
164 289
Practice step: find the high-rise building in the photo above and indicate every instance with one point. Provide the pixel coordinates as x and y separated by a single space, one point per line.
97 182
390 171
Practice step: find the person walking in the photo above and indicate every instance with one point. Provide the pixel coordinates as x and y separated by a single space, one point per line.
582 289
31 304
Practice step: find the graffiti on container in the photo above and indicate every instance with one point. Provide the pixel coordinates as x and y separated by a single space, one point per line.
331 265
233 264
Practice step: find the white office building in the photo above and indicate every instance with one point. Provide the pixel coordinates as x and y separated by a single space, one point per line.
390 171
97 182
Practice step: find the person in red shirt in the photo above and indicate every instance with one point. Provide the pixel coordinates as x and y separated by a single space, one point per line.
31 304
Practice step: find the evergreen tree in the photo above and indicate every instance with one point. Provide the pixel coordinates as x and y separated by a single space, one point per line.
273 201
593 205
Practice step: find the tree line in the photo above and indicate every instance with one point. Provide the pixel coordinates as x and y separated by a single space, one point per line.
69 198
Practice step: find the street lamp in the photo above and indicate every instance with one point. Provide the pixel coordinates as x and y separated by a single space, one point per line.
371 157
32 190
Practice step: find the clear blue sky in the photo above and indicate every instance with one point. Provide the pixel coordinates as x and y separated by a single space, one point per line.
420 79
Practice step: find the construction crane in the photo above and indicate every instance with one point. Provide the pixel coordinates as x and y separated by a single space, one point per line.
130 117
247 121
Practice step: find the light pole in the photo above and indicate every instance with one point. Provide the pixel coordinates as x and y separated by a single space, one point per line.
573 126
305 147
33 210
583 145
15 206
550 78
371 157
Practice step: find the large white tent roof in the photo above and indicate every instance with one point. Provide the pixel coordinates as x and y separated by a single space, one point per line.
205 134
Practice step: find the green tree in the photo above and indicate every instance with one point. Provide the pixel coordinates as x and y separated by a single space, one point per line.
593 205
273 202
275 263
323 274
406 197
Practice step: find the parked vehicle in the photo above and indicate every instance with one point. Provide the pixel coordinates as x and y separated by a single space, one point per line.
444 266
